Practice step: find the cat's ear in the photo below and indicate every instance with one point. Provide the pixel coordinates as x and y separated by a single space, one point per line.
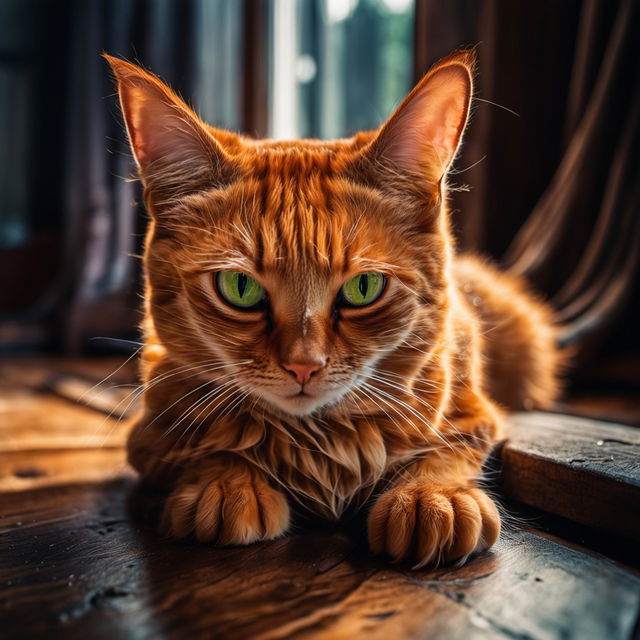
423 135
166 136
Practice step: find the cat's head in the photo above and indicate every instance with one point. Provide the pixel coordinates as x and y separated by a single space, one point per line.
298 270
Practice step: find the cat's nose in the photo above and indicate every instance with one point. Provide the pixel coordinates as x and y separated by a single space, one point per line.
303 371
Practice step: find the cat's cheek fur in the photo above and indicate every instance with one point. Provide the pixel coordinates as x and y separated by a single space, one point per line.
424 523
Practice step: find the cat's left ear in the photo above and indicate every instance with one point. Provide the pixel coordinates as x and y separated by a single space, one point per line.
423 135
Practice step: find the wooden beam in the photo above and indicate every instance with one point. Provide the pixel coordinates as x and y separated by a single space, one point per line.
585 470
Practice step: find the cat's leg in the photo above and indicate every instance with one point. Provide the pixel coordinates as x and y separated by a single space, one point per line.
220 498
225 501
435 512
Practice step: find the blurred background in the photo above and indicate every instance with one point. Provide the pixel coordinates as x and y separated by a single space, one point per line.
548 183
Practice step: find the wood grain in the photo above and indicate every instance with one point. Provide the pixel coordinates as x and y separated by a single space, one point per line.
585 470
75 564
105 385
27 470
31 420
78 559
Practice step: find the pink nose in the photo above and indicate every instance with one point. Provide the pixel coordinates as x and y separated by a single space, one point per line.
303 372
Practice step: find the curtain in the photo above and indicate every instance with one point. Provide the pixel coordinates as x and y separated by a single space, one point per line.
552 156
193 46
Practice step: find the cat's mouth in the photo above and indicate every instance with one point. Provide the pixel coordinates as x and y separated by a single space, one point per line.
297 404
302 397
304 401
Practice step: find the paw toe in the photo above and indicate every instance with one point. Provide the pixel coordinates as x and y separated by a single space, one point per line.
431 524
226 513
178 516
209 513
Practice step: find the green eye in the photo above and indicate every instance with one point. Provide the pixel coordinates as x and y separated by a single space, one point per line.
363 289
239 289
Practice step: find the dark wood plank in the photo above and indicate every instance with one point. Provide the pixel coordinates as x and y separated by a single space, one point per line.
581 469
58 403
75 564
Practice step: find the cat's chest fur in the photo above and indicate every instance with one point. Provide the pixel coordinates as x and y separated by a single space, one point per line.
324 464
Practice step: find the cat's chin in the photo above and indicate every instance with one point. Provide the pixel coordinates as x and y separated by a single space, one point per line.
299 404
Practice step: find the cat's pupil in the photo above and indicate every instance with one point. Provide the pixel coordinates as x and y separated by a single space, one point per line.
363 285
242 284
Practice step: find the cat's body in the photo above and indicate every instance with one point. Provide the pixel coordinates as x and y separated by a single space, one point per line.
308 398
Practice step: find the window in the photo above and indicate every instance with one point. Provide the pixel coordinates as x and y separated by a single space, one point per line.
338 66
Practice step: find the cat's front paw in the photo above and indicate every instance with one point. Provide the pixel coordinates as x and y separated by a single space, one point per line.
226 511
429 524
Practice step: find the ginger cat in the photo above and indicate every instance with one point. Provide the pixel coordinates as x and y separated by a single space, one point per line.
311 337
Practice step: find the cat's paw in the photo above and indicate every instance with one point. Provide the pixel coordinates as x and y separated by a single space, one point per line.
428 524
226 511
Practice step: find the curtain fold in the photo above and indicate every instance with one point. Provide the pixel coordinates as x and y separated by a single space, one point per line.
596 183
557 198
104 220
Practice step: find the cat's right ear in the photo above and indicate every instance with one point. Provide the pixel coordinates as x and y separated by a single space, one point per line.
172 147
423 135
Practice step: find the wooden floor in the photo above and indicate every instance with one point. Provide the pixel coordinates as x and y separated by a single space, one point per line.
79 557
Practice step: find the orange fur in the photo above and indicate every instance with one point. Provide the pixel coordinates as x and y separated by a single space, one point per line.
404 406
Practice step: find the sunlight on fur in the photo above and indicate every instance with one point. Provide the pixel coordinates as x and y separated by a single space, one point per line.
312 341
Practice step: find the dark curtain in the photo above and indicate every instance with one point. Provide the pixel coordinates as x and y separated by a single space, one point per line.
78 158
103 221
552 157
